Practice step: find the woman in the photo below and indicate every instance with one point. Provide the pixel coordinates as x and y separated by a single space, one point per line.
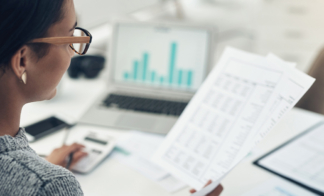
34 54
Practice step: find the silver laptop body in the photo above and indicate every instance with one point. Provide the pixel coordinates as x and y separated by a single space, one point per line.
116 117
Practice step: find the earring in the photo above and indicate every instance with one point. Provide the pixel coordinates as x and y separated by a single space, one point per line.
24 78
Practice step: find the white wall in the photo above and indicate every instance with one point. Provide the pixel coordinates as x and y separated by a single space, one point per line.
292 29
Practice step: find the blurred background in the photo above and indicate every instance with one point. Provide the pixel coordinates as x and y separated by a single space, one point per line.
292 29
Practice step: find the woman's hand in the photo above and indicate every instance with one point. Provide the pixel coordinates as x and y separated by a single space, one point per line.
59 155
216 192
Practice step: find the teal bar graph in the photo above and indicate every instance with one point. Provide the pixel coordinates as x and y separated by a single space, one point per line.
153 76
180 72
189 79
135 70
161 80
145 65
172 62
142 71
126 76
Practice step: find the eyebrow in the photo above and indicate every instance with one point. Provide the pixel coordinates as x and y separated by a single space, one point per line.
76 23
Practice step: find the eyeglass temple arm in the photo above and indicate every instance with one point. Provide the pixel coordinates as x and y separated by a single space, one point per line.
81 45
62 40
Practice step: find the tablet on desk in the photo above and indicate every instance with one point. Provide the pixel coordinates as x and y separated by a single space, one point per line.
300 160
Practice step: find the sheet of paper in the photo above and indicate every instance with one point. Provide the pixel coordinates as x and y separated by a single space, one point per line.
278 187
171 184
142 144
138 148
143 166
206 139
293 86
222 118
301 160
275 58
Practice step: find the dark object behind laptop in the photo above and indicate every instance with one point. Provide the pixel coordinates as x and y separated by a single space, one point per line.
89 66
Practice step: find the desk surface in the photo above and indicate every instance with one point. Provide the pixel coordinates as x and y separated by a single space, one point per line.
113 178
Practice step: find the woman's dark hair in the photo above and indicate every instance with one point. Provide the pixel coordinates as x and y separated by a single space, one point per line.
24 20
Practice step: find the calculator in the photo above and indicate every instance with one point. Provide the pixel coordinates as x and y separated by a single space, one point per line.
98 146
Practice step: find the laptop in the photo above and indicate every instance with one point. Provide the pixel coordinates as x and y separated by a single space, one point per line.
154 70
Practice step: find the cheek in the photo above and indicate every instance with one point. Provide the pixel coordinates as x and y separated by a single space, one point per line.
60 64
45 74
55 68
70 51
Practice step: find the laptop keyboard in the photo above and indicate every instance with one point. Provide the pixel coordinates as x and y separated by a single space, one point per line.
156 106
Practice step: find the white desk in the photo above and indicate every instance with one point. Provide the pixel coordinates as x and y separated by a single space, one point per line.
115 179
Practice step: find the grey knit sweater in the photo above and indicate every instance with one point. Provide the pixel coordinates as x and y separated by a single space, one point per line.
23 172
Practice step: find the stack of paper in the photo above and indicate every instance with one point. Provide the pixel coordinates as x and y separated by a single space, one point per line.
242 99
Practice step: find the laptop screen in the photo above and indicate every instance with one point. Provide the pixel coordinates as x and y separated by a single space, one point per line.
174 58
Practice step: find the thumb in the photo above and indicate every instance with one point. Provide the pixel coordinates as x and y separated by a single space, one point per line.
77 156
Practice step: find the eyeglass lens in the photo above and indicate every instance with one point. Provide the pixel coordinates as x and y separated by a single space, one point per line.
79 47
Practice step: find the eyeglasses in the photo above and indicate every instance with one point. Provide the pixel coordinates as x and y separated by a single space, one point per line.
79 43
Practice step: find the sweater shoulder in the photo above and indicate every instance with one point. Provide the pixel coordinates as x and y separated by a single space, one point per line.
30 161
32 175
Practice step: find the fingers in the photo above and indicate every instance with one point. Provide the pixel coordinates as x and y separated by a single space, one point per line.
217 191
77 156
72 148
208 183
59 155
193 190
75 147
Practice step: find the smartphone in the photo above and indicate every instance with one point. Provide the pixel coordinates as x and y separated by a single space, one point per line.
44 127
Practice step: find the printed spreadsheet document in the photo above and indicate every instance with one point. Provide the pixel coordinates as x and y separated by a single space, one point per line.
241 100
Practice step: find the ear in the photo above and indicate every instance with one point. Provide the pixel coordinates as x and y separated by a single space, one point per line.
19 61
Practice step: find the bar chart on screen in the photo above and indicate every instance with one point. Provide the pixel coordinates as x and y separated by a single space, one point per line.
161 57
141 71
